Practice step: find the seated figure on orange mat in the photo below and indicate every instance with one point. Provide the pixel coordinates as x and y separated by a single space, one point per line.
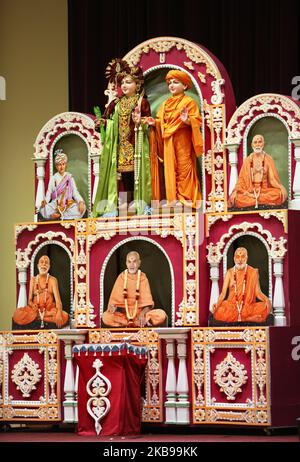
243 283
130 303
44 299
258 182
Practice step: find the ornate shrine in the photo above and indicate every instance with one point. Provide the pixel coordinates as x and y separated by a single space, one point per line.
199 370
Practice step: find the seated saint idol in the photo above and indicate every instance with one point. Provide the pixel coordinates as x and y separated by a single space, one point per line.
258 182
44 299
130 303
62 201
243 283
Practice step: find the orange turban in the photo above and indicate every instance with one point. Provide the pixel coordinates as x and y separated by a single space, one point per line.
183 77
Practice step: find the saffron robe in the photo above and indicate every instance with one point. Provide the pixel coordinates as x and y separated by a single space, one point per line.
178 146
271 187
119 318
228 311
30 313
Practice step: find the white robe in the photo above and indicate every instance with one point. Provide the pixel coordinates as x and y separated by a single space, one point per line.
72 212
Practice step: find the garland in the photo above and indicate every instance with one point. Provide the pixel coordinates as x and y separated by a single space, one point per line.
258 170
43 305
129 316
240 304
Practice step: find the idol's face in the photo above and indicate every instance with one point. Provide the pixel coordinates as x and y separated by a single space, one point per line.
44 265
61 167
258 144
240 259
176 87
128 86
133 263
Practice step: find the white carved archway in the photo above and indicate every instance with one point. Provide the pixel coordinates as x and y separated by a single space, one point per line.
63 124
276 251
259 106
130 239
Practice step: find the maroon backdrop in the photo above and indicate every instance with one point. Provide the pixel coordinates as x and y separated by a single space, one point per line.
254 40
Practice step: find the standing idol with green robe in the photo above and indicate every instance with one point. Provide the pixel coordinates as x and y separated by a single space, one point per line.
125 155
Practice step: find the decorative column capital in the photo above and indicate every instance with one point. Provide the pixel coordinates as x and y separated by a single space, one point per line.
296 142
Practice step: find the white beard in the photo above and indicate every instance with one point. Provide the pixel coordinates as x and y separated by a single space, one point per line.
257 150
240 266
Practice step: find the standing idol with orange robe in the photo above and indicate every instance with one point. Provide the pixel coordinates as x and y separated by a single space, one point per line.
179 141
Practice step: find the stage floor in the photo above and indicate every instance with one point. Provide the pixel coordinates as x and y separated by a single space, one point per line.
282 435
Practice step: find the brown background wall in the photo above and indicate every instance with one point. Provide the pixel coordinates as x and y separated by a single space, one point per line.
34 63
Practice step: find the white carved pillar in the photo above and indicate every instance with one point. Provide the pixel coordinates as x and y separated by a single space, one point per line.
182 389
40 173
233 161
68 336
78 341
96 161
170 403
22 279
214 291
278 297
177 389
69 385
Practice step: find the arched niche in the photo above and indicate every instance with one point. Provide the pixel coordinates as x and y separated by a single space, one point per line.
157 92
212 88
257 258
74 132
258 114
78 162
276 138
154 264
60 268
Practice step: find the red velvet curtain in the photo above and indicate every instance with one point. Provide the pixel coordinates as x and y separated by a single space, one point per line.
257 41
125 372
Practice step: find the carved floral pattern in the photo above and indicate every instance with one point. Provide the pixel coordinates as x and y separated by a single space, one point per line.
98 388
193 52
230 375
264 103
26 374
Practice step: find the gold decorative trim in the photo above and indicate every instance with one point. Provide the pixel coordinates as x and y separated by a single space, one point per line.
67 121
263 103
230 375
22 256
276 247
215 159
26 374
182 227
162 45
